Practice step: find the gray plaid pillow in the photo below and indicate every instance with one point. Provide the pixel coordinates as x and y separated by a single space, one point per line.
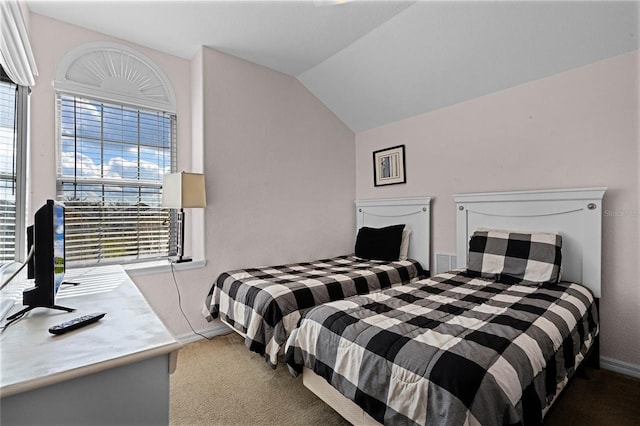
514 257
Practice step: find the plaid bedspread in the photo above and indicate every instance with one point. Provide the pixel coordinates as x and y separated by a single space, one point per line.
265 304
449 350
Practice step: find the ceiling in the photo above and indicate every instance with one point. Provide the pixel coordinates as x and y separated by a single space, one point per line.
376 62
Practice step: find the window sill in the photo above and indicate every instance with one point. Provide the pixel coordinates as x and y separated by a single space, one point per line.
160 266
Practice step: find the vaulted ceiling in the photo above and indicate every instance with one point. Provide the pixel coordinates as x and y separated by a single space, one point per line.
376 62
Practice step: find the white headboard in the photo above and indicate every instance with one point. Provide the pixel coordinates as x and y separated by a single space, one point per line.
415 213
576 214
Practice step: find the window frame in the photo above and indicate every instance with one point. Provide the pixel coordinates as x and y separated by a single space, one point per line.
20 162
62 180
117 74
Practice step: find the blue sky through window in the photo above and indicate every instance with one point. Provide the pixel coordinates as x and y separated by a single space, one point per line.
7 138
114 142
111 162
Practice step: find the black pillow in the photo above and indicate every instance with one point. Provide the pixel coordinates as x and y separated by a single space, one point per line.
379 243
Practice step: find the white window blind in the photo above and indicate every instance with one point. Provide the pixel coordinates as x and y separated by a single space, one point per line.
8 141
111 160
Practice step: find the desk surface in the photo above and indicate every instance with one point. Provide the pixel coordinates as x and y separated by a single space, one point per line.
31 357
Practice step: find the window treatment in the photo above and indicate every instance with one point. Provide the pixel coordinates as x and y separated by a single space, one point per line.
111 163
8 146
16 56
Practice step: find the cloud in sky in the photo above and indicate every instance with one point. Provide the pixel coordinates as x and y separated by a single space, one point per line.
114 168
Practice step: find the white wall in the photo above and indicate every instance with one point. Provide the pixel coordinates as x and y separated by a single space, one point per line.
575 129
279 165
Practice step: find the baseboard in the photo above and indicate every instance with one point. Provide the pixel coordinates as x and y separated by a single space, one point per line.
621 367
218 329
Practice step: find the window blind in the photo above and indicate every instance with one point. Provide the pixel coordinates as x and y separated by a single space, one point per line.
111 160
8 134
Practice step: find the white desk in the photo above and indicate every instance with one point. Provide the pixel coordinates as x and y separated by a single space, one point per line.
115 371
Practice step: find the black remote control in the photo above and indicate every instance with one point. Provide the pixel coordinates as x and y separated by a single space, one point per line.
76 323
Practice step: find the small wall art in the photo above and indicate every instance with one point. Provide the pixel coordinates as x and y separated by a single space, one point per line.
388 166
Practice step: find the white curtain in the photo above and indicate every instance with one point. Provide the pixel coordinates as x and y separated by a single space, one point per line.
16 56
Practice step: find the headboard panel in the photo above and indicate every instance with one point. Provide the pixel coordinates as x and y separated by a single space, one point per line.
415 213
576 214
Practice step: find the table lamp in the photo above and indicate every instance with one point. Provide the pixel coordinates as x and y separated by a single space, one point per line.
179 191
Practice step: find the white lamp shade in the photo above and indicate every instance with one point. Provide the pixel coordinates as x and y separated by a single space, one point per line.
183 190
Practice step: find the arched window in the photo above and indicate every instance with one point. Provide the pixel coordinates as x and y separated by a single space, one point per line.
116 139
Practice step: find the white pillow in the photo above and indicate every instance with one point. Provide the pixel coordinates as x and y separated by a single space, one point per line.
404 244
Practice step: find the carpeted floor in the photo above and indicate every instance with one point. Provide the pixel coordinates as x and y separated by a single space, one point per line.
220 382
603 398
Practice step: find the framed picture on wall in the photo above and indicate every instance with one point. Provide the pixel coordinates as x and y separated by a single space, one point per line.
388 166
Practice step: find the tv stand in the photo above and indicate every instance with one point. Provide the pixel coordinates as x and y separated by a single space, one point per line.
115 371
28 308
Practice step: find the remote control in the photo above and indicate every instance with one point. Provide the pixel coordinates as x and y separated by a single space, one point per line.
76 323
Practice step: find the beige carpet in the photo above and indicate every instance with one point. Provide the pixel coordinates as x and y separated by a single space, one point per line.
220 382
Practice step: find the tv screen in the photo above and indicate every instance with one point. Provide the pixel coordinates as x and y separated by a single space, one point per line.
58 246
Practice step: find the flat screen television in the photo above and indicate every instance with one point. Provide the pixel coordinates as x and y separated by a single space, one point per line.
47 264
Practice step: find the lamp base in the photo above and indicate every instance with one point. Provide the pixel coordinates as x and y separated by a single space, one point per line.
180 259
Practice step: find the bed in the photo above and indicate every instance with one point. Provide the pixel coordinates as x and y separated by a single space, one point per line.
264 304
493 342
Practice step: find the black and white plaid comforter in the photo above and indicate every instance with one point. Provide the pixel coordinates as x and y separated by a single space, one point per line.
449 350
265 304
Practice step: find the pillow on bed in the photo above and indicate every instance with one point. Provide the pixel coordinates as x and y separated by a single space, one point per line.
512 257
379 243
404 245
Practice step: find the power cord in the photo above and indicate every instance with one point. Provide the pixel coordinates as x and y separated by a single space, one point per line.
8 280
29 256
4 327
175 282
